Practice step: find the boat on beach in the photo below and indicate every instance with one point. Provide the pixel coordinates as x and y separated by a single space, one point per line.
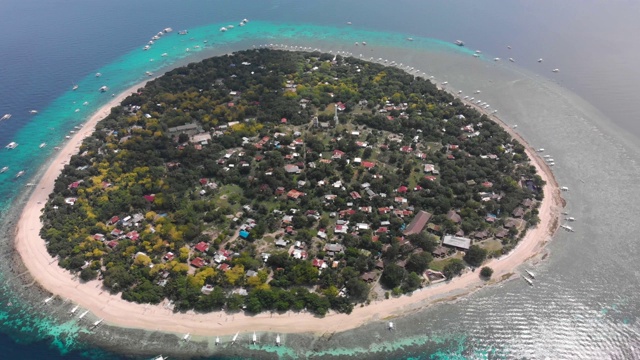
278 340
96 323
73 311
254 340
83 314
186 337
217 340
160 357
235 337
12 145
390 326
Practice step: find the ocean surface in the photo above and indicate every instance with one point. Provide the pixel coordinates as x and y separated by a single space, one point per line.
584 304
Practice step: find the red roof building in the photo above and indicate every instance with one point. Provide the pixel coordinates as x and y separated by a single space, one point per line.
112 244
338 154
150 198
368 164
133 235
113 220
318 263
197 262
402 189
202 246
406 149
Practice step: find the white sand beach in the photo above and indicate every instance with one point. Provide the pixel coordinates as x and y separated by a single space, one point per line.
118 312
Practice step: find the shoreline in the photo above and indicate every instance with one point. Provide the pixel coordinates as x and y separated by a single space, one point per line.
117 312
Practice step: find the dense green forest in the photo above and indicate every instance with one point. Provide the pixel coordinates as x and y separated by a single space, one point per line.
272 181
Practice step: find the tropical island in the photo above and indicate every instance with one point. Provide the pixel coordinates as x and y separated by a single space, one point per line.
275 180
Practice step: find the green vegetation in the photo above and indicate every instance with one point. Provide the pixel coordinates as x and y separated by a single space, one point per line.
486 272
274 181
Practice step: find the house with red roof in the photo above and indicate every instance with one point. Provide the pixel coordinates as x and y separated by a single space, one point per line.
341 106
294 194
169 256
202 246
150 198
368 164
224 267
487 184
198 262
430 178
113 220
112 244
355 195
133 235
402 189
319 263
406 149
337 154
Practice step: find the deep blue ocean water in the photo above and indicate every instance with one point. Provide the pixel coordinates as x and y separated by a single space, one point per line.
47 47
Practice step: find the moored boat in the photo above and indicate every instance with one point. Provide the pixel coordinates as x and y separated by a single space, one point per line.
12 145
4 169
104 89
43 145
528 280
5 117
20 173
533 276
75 87
459 42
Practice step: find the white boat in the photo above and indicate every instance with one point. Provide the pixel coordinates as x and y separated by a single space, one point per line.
508 47
164 54
570 218
254 340
235 337
217 340
83 314
98 74
43 145
364 43
149 73
564 188
459 42
33 111
477 92
223 29
540 150
410 39
528 280
4 169
12 145
75 87
533 276
96 323
167 30
146 47
348 22
391 325
511 59
496 59
73 311
445 82
567 227
540 60
104 89
245 20
5 117
278 340
160 357
476 55
186 337
555 70
229 26
183 32
47 300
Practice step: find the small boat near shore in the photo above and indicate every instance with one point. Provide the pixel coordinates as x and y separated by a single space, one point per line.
73 311
83 314
254 339
103 89
12 145
98 74
4 169
186 337
5 117
96 323
459 42
235 337
75 87
533 276
20 173
390 326
217 340
33 112
278 340
529 281
183 32
43 145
